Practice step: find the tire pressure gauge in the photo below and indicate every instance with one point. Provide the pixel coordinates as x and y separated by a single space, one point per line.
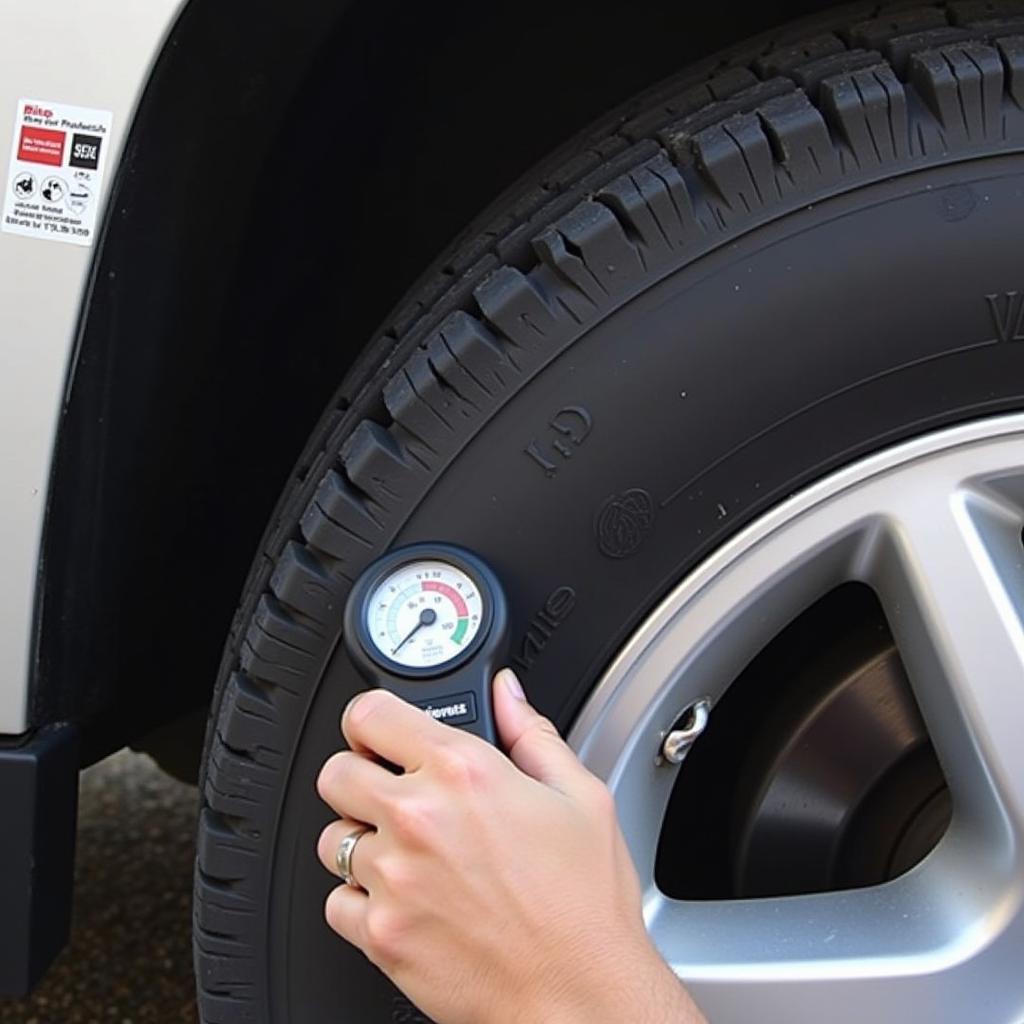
429 622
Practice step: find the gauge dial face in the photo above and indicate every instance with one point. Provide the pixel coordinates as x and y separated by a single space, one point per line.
424 614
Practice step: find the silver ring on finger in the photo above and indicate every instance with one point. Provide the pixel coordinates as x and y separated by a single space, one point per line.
343 858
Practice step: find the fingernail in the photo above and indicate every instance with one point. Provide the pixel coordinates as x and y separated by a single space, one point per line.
508 677
348 708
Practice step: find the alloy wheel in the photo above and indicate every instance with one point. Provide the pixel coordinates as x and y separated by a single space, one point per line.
933 527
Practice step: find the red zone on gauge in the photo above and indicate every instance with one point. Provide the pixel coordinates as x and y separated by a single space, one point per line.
461 609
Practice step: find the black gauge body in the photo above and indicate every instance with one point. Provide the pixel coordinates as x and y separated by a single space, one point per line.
429 622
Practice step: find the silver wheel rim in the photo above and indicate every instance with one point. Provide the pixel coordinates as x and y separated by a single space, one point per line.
934 527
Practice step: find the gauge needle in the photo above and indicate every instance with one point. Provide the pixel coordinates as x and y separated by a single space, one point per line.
427 618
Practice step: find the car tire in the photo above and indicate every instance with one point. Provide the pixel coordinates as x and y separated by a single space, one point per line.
756 273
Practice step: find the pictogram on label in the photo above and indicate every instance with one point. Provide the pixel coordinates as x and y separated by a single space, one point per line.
55 176
24 185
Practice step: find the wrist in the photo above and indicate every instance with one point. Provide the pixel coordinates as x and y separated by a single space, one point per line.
612 985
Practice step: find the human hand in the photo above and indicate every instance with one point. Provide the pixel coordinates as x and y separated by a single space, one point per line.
495 889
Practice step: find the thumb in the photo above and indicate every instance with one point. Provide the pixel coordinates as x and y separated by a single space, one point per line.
532 742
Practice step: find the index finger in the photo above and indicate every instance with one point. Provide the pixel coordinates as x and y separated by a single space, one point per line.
377 722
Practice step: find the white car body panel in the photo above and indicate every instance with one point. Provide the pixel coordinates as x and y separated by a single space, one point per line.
90 53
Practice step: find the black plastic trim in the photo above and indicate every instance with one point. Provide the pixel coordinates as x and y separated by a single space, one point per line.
39 800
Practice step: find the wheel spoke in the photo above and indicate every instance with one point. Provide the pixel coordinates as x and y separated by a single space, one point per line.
949 574
922 947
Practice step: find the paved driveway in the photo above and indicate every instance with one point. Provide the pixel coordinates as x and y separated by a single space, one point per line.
130 957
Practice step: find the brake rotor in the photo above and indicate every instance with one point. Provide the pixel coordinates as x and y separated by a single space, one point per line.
849 790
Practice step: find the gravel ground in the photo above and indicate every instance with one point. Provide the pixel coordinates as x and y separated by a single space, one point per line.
130 956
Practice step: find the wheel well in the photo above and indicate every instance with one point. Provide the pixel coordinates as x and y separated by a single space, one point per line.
290 171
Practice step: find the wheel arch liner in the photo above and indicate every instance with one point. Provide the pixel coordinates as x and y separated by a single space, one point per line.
146 424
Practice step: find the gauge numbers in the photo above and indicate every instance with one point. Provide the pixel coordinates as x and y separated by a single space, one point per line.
424 614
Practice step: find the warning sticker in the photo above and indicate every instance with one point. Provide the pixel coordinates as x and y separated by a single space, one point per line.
56 172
